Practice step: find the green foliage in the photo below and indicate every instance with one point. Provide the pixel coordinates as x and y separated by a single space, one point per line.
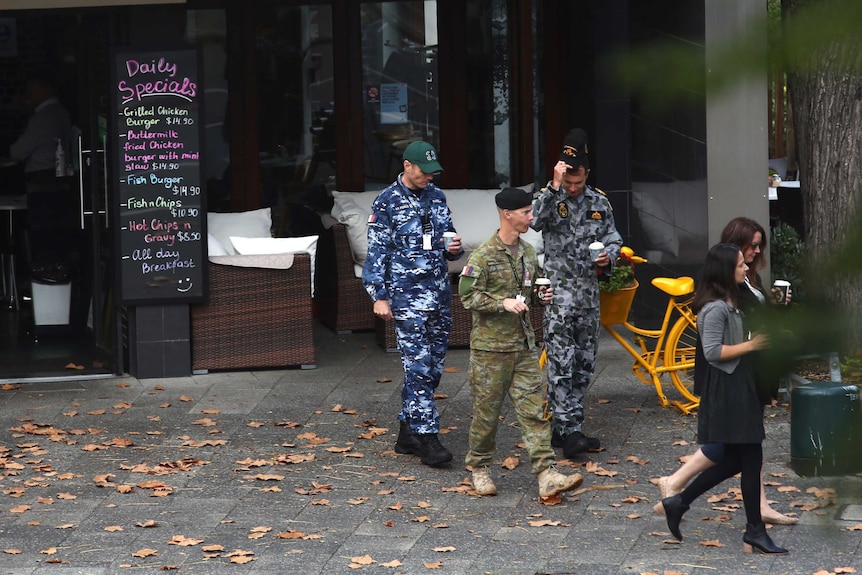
623 276
787 258
851 367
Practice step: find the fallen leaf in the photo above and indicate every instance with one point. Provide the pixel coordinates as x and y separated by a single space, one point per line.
113 528
363 560
443 549
383 380
144 553
511 462
435 565
48 551
393 563
12 551
712 543
184 541
147 524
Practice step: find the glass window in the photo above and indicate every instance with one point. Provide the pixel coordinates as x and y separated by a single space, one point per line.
399 82
296 112
207 30
488 94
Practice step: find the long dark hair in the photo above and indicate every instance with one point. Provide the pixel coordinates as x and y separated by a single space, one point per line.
718 279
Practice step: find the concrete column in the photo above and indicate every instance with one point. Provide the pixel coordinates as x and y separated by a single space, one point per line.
736 124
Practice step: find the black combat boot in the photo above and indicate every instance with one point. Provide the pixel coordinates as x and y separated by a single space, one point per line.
431 451
407 442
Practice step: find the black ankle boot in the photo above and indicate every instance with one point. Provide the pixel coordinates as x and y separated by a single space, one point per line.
756 536
431 451
407 442
674 509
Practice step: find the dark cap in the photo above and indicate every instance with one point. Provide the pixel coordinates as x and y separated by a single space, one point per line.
513 199
575 148
423 155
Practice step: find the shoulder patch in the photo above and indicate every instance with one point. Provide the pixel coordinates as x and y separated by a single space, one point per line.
600 191
596 215
470 272
372 218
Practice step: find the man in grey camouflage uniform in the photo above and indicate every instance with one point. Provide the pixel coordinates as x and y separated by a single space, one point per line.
407 277
572 215
497 286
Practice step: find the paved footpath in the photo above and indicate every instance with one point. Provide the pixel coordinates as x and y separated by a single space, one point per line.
283 472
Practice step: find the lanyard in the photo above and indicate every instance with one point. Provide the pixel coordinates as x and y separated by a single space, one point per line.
511 260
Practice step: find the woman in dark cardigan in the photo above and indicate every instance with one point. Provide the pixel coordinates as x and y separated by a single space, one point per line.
730 412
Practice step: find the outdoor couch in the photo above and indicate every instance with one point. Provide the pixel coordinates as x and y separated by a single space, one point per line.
259 311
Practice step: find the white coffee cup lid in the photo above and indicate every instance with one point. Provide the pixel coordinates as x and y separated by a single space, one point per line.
449 234
781 283
596 245
543 281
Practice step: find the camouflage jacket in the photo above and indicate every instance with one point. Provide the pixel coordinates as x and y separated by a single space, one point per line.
569 226
397 268
491 275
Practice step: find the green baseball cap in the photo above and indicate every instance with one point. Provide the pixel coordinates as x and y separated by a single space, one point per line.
423 155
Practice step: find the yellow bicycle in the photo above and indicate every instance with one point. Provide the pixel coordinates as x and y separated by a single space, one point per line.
673 351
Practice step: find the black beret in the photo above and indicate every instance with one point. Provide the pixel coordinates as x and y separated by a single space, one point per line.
513 199
575 148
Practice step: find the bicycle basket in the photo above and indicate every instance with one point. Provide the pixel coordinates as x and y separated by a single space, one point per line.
614 306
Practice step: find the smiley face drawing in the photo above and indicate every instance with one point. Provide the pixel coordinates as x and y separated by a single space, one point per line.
185 285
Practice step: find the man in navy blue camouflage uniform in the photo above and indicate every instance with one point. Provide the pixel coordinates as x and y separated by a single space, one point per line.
406 275
571 215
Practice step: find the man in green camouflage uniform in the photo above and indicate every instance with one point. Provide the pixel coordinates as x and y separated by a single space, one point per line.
497 286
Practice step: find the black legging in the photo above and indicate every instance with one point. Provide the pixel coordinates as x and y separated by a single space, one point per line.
744 457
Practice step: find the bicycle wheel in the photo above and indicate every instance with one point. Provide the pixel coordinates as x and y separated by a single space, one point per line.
679 350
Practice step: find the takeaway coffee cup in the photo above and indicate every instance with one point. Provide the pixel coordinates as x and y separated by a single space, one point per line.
595 249
780 294
542 285
447 239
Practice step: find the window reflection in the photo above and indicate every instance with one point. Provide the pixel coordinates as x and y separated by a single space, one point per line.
207 30
296 112
399 79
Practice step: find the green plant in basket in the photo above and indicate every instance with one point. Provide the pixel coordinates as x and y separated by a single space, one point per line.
624 272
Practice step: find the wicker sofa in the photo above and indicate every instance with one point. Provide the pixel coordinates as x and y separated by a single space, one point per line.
345 306
259 313
256 317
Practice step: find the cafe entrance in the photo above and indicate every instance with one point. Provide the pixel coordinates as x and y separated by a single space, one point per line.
58 318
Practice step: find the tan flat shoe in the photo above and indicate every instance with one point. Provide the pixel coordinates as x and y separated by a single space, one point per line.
662 487
775 518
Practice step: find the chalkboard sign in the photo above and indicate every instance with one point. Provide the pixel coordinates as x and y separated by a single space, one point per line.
156 146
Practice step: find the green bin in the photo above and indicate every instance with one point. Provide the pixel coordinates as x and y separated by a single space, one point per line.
825 429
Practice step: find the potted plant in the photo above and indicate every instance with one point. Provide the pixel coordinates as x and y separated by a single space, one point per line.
617 290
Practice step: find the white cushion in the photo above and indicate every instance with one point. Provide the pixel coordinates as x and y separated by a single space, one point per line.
251 224
352 209
267 246
214 247
661 233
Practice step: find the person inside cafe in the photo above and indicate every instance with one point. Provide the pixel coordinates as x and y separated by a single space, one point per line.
36 147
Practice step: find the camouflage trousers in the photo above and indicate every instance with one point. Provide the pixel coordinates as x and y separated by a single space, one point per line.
492 376
422 338
571 342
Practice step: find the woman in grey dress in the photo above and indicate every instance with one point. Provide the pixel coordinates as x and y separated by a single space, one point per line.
730 411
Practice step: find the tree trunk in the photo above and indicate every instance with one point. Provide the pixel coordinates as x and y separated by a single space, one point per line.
827 112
